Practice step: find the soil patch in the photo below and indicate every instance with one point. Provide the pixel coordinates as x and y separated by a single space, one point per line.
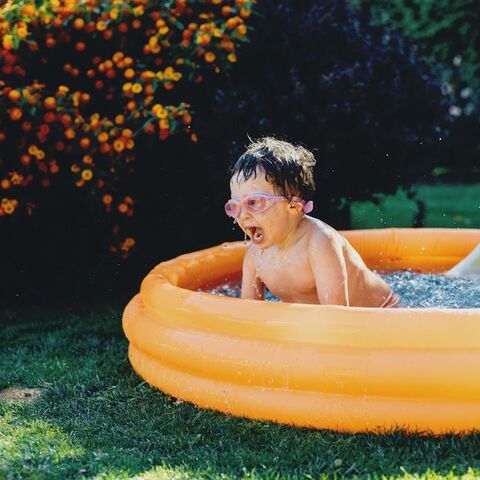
20 394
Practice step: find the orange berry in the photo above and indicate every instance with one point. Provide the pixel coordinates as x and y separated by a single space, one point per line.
50 42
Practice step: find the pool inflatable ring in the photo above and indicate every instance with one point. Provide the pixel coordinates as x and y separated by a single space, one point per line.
344 368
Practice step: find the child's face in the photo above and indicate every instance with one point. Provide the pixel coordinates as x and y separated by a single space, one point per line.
271 226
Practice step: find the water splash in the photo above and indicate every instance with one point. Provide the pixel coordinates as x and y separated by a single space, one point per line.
415 290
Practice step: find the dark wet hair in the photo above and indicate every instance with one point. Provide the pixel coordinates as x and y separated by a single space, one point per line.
289 167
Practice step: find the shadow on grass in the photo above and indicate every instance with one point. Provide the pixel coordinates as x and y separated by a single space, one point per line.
97 418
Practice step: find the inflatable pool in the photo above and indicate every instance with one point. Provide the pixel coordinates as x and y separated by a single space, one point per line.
345 368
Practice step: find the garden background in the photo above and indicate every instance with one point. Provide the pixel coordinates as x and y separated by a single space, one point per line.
118 121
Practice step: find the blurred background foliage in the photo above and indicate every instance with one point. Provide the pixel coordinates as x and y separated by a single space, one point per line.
448 34
382 104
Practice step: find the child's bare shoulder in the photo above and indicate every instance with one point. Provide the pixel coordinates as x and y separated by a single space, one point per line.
322 235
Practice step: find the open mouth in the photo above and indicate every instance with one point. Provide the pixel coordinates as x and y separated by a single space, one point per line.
255 234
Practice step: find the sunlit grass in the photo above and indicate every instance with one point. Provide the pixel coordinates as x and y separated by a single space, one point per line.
97 419
450 206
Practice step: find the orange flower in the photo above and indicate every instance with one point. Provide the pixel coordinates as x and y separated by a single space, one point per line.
120 119
87 174
137 88
70 133
102 137
32 149
80 46
5 184
210 57
78 23
75 168
107 199
232 57
15 114
129 73
14 95
50 103
7 42
87 159
118 145
122 208
25 160
85 142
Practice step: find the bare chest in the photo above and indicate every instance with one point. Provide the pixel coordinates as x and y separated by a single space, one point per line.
286 274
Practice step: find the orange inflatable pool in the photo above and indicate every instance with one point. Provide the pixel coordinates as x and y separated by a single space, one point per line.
344 368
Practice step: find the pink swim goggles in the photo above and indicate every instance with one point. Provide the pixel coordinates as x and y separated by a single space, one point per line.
259 202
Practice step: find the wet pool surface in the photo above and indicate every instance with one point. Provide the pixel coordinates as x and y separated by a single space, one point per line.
415 290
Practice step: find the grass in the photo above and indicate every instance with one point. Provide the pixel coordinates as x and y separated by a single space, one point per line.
97 419
450 206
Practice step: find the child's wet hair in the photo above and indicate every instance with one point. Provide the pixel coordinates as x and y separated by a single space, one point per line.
289 167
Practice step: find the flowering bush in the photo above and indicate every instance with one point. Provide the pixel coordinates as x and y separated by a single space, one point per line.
81 81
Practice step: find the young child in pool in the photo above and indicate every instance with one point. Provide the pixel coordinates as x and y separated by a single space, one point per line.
299 258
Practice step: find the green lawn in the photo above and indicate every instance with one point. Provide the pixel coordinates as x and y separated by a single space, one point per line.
97 419
448 206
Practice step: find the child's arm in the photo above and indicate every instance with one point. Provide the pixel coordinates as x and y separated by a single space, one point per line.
252 286
329 269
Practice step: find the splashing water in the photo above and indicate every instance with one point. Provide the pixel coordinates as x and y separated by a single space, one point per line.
416 290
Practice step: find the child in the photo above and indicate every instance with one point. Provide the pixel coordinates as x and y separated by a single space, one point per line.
299 258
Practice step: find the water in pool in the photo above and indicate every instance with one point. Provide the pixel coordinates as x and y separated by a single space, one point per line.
415 290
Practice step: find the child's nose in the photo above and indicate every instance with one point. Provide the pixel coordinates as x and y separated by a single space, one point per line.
243 212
